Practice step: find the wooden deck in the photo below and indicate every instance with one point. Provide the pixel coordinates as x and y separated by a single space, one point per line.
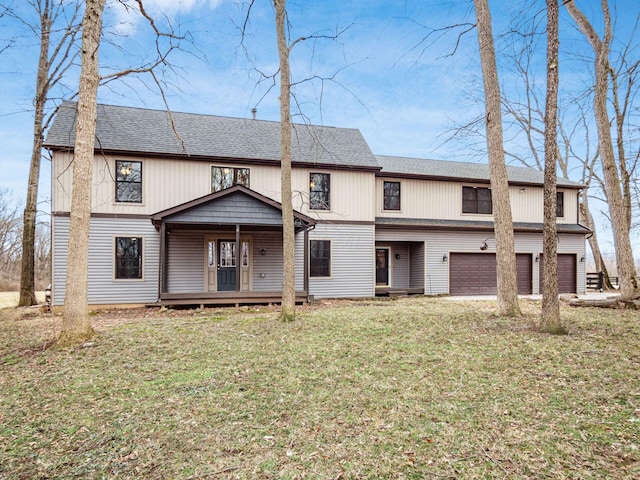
398 292
228 298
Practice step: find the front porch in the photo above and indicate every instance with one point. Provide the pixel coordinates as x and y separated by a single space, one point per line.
226 249
398 292
228 298
400 268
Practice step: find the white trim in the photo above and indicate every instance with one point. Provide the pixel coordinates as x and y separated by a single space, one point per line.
216 239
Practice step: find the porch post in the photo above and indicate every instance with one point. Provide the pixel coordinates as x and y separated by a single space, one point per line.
238 258
306 261
162 278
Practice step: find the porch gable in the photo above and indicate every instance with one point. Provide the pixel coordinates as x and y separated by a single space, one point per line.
236 205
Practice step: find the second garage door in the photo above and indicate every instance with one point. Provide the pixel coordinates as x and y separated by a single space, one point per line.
475 273
567 273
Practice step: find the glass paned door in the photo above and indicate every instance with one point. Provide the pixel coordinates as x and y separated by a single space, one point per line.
226 265
382 266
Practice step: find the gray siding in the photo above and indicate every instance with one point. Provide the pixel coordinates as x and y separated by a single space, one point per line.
352 261
400 266
267 268
234 208
186 262
406 262
103 287
416 254
439 243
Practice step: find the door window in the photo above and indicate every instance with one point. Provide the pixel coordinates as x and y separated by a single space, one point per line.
227 254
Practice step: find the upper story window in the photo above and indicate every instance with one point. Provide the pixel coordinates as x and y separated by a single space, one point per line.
319 258
559 204
128 257
319 191
128 181
476 200
391 196
225 177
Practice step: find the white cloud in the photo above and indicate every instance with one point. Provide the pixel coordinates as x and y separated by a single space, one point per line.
170 7
126 14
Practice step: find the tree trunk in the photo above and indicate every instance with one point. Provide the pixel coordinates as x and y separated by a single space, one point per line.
550 322
27 275
288 242
618 214
505 250
587 218
76 326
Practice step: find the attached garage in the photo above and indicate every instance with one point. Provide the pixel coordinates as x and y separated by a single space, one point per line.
567 273
475 273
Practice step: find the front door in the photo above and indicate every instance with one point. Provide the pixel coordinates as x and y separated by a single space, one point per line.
226 265
382 266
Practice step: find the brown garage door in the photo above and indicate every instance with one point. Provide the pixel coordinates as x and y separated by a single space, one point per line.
567 273
475 273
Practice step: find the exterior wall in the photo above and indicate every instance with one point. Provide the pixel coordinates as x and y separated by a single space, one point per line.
416 253
103 287
439 243
187 260
352 261
443 201
167 183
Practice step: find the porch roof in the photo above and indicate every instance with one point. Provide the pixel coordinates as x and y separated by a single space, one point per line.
236 205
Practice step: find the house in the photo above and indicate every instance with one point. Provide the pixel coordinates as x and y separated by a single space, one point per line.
186 209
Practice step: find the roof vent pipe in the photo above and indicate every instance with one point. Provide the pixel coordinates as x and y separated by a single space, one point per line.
254 110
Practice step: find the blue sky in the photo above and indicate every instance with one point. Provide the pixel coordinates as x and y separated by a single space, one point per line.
381 76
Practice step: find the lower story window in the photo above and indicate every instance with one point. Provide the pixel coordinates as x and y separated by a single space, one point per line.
129 257
320 258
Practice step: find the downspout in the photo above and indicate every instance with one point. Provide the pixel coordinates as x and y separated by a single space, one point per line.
161 263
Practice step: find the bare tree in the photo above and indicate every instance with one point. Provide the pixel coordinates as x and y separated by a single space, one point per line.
524 117
76 326
550 322
56 30
505 249
285 47
619 215
9 238
287 312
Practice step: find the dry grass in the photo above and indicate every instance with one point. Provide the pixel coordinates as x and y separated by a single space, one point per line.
414 388
10 299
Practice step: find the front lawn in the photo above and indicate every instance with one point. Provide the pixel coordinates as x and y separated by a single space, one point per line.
412 388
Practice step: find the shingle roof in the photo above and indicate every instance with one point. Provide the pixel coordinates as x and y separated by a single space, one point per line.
461 171
127 129
448 224
149 132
